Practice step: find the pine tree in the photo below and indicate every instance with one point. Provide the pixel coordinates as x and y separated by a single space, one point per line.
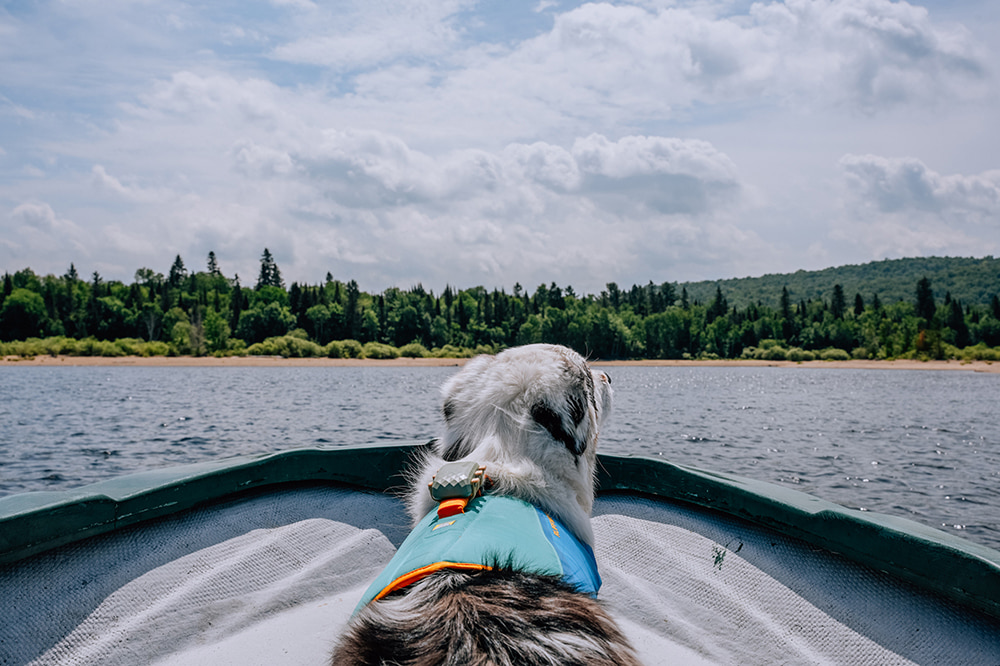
177 273
925 301
351 313
956 322
859 305
786 305
838 304
270 276
213 265
236 304
718 307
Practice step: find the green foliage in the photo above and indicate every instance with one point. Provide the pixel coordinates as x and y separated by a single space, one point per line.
451 351
22 314
414 350
970 280
270 275
834 354
379 350
793 317
350 349
287 346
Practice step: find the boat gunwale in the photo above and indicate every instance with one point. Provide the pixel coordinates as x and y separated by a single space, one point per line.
965 572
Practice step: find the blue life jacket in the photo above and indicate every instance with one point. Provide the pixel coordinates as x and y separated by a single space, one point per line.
493 530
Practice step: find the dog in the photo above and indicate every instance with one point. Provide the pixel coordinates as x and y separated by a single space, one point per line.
530 416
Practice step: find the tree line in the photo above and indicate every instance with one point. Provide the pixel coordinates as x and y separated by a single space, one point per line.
205 312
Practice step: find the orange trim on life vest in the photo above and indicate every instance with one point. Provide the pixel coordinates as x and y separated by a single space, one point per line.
423 572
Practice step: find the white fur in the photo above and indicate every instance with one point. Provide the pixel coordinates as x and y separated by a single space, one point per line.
488 407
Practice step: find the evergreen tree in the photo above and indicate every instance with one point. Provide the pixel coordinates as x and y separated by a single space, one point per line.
838 304
786 305
213 265
71 274
718 307
668 294
859 305
270 276
614 295
352 316
236 304
956 322
177 273
556 299
925 301
994 306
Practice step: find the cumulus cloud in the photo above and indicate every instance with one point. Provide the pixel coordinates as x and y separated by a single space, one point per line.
900 207
37 216
902 184
34 226
577 143
871 53
605 63
538 211
371 170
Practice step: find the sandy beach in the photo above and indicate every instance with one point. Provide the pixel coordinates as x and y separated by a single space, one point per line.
275 361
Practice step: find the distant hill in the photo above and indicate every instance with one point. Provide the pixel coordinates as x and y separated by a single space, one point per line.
971 281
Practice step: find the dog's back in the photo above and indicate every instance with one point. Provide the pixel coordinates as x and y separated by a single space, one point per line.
531 415
497 617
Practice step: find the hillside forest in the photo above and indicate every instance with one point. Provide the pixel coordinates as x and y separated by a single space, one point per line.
907 308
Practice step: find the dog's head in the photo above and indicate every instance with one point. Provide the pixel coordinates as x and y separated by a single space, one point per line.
532 415
540 401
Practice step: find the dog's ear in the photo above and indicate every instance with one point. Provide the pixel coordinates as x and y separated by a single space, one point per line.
454 446
549 419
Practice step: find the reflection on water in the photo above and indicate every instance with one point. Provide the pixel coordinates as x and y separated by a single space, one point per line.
919 444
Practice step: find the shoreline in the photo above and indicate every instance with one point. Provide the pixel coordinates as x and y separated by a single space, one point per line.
277 361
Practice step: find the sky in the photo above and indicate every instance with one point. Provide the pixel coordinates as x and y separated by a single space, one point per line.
464 143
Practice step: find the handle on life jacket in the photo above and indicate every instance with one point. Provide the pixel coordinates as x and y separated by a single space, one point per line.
455 484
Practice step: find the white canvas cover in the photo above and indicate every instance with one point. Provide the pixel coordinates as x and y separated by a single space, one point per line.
272 579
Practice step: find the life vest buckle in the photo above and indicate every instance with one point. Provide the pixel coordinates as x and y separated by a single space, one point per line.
455 484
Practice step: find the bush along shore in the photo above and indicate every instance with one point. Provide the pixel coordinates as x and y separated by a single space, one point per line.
205 313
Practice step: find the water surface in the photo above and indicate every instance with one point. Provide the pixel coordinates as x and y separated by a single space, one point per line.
920 444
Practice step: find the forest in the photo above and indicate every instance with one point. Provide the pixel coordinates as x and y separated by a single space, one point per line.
930 308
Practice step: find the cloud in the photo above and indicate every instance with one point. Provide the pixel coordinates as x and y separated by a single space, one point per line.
37 216
603 64
872 54
537 211
463 142
893 185
369 169
366 34
105 182
34 226
899 207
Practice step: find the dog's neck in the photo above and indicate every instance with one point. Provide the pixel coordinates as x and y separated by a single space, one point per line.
569 496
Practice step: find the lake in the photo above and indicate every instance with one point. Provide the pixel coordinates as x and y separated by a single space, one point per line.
919 444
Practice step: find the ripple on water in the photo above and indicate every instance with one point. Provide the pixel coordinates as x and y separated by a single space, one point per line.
813 430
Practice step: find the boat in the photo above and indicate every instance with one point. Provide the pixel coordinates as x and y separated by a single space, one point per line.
261 560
